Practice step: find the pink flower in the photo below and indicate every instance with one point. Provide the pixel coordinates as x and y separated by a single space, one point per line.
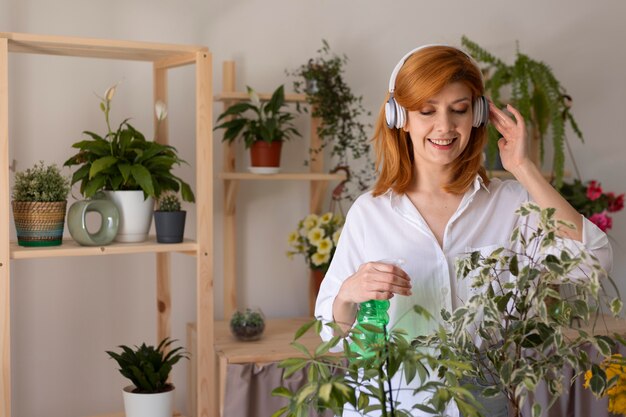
594 191
615 203
602 220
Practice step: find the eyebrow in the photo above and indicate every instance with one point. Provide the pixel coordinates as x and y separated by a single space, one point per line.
454 102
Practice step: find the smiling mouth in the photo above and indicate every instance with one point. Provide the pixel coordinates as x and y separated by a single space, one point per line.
442 142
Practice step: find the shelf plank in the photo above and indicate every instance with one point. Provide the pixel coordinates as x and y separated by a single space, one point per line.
274 345
507 175
96 48
297 176
243 96
71 248
122 414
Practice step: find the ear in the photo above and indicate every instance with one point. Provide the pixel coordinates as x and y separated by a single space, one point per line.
406 123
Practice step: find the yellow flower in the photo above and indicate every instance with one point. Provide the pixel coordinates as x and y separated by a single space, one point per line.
293 238
617 404
324 246
315 235
336 236
310 221
326 218
587 378
319 259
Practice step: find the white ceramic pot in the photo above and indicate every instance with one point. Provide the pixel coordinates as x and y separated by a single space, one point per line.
135 215
148 405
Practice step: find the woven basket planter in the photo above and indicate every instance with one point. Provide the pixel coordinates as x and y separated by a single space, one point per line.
38 223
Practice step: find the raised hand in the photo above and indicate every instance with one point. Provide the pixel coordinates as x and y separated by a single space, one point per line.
512 144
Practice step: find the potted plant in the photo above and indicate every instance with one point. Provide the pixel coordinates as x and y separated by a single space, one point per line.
132 171
340 111
536 93
505 335
169 219
316 239
148 368
263 131
592 202
39 202
247 325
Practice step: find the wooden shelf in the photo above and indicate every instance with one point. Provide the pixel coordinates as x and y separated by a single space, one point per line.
243 96
507 175
98 48
71 248
122 414
296 176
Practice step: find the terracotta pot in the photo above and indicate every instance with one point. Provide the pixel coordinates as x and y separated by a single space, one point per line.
318 276
264 154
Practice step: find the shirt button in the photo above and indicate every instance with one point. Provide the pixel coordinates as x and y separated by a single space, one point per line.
444 291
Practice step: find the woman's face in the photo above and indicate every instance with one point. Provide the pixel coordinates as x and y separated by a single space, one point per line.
441 128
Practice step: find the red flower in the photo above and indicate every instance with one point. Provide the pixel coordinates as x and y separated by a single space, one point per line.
594 191
615 203
601 220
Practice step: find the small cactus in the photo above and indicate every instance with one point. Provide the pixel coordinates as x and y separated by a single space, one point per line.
169 202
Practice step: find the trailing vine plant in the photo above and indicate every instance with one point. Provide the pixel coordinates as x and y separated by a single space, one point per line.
331 100
536 93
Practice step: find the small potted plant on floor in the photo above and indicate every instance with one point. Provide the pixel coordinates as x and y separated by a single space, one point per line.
169 219
132 171
39 202
263 132
148 368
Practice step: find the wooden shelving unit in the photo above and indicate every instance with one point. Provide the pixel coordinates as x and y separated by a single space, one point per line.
163 57
316 176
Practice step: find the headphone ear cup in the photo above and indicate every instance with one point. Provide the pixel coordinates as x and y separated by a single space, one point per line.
390 113
481 112
401 112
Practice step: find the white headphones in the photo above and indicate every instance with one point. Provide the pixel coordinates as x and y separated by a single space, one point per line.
395 114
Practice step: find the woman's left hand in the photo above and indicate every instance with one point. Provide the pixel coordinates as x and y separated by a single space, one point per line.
512 144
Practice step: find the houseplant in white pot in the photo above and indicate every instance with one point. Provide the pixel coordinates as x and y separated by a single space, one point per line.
39 202
131 170
263 131
148 368
169 219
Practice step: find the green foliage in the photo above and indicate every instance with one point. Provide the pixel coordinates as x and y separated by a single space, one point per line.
332 380
43 183
169 202
125 160
535 92
331 99
247 325
269 123
514 327
148 367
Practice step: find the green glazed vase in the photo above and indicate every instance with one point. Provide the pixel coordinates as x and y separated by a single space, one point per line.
109 222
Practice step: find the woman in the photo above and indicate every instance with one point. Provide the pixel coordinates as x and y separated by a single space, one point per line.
433 201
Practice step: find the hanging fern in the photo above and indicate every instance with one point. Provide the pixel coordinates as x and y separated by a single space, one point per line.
536 93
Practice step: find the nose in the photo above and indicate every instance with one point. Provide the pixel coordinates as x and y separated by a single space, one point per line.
445 122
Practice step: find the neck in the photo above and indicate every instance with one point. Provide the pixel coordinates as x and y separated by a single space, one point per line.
430 180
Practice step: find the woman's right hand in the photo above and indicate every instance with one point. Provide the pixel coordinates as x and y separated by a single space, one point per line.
374 281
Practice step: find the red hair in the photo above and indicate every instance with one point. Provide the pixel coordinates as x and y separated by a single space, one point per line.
424 74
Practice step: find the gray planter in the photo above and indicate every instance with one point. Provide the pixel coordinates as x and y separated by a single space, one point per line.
170 226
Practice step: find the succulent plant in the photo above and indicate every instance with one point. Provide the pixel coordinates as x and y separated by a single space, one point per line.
169 202
148 367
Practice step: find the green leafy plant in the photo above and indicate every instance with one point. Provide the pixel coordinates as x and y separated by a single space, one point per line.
269 123
147 367
536 93
332 101
169 202
124 160
334 381
43 183
517 325
248 324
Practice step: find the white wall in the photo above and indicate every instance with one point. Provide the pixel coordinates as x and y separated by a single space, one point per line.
65 314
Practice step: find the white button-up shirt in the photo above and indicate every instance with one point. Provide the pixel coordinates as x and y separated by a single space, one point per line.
390 227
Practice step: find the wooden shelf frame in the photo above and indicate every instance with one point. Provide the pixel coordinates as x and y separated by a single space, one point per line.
163 57
316 176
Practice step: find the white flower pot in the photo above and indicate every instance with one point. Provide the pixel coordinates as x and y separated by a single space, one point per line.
148 405
135 215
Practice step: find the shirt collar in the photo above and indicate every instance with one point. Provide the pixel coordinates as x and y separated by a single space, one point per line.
394 198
